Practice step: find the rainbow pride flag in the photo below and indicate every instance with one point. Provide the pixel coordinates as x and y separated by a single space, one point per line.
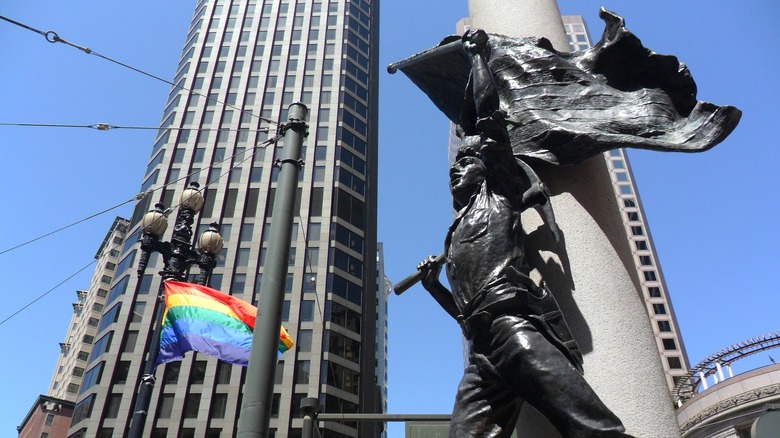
198 318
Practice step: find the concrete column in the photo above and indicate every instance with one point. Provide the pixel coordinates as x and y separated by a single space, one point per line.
592 272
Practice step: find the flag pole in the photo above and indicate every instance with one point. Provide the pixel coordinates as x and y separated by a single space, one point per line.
255 414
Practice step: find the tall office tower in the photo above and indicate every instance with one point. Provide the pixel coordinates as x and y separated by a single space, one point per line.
384 288
657 300
84 324
243 63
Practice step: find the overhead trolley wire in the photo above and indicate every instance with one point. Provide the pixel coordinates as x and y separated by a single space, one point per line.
53 37
140 196
264 144
46 293
107 127
136 197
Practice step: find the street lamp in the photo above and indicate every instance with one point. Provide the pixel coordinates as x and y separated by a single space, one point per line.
178 255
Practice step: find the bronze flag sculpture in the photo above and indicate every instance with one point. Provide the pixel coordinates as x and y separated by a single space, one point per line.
517 101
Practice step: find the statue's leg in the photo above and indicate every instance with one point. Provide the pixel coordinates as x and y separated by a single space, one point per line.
536 371
483 406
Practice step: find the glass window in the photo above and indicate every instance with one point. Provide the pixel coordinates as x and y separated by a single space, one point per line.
122 370
101 346
238 285
92 377
83 409
112 409
171 375
302 372
659 309
130 340
198 372
243 257
307 310
218 406
191 405
279 372
303 341
669 344
223 372
138 311
247 231
664 326
166 406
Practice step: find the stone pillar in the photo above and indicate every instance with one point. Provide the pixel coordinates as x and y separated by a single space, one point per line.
592 272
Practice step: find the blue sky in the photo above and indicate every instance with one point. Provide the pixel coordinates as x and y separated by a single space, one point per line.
712 216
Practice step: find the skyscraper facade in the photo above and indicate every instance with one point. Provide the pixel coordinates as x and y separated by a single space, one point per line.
648 269
243 63
85 322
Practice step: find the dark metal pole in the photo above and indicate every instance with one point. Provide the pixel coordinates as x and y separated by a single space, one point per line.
178 256
310 407
255 414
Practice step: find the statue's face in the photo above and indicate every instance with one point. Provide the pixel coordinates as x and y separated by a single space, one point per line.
466 175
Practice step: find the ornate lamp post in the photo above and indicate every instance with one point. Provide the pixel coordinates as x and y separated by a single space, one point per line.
178 255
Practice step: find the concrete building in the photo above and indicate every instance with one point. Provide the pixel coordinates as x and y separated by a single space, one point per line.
717 402
85 322
384 289
243 63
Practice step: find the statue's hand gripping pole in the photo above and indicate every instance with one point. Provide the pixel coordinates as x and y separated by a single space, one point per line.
413 279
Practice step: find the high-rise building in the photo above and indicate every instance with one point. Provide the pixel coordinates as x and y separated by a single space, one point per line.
384 288
243 63
648 269
85 322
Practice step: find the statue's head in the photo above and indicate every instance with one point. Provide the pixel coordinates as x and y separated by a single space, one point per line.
466 176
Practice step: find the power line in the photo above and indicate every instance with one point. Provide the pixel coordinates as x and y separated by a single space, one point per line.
140 196
107 127
137 197
52 37
264 144
46 293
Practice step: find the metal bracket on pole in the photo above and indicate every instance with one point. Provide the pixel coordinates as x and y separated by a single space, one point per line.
298 163
294 122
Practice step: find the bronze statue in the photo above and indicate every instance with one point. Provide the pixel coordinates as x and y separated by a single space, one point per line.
520 102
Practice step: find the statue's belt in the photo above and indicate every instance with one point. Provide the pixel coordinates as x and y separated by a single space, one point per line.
538 306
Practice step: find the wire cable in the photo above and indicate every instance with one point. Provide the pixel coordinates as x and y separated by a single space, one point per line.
46 293
53 37
137 197
140 196
107 127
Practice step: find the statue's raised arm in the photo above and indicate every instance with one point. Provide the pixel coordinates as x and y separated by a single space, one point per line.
563 108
